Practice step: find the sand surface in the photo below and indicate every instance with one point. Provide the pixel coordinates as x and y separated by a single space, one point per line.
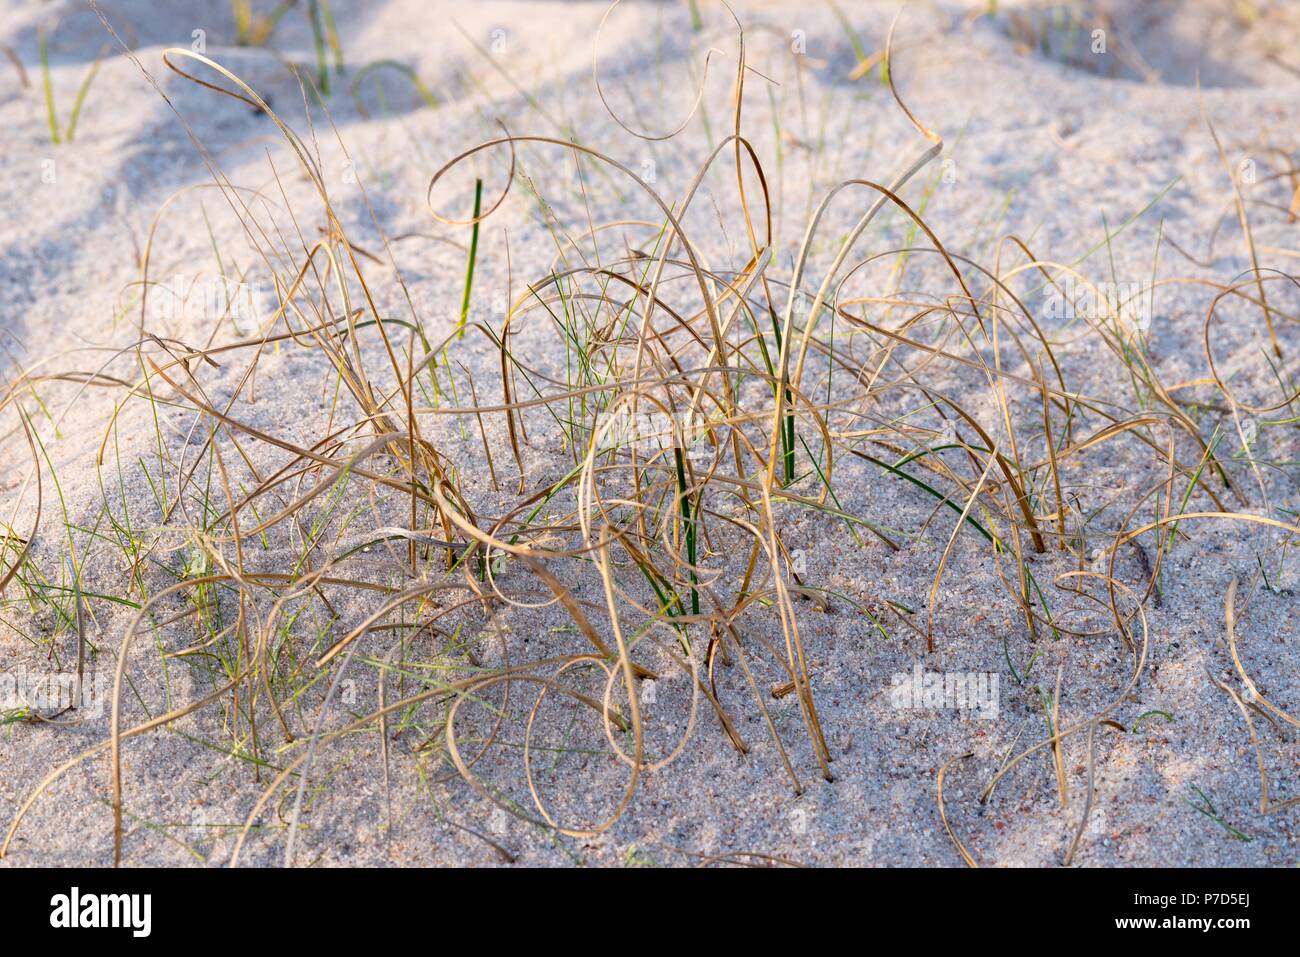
1045 140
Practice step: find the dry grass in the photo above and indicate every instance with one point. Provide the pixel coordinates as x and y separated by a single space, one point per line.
762 384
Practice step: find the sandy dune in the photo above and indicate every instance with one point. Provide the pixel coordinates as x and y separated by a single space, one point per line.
147 275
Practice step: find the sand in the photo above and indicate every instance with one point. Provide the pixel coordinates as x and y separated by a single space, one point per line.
1052 146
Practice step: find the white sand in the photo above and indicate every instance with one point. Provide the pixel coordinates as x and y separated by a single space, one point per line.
1036 148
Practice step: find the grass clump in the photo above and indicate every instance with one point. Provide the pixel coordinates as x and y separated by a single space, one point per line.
665 409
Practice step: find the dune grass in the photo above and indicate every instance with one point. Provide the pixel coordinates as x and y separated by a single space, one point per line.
47 85
277 567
